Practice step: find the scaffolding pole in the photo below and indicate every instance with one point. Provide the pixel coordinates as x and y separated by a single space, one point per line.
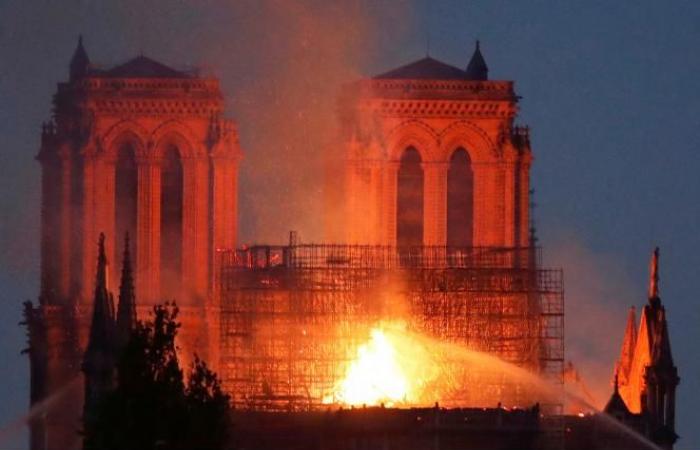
292 317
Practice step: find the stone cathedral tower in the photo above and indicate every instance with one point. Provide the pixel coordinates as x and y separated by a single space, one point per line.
433 158
646 377
143 149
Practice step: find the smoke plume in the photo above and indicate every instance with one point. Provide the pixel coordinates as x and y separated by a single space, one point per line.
598 294
282 66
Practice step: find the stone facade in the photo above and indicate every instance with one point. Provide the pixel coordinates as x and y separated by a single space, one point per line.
139 148
432 157
646 377
436 111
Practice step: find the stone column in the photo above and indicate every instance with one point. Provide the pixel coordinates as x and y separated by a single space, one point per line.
225 198
499 205
62 356
148 231
89 230
364 194
50 177
488 205
524 202
391 171
105 218
66 235
510 196
356 196
479 205
224 195
349 201
374 206
98 217
435 203
195 227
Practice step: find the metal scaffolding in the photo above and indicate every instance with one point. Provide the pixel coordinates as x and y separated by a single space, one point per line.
293 316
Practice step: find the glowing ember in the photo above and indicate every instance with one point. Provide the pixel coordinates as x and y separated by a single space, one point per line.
376 376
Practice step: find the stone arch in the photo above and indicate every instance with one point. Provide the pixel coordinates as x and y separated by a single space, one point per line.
460 199
466 135
125 201
177 134
410 199
171 219
124 132
416 134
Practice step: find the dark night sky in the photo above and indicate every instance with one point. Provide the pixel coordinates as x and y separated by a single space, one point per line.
610 89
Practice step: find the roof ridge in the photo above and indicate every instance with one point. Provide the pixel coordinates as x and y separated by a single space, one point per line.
142 66
425 68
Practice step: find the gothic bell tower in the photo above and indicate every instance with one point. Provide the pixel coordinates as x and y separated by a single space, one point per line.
432 157
139 148
144 149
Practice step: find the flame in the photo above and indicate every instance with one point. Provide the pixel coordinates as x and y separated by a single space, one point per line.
397 367
376 376
390 369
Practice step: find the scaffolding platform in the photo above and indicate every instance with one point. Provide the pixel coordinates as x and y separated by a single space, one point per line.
292 318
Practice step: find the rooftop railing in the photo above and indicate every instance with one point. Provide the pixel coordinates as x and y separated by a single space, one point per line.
321 256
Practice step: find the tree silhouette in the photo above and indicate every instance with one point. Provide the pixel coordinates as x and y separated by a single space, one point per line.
152 407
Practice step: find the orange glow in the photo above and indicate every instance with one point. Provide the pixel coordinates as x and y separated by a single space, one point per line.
396 367
390 369
376 376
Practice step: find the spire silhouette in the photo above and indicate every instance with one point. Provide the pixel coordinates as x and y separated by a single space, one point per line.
477 68
126 312
102 326
79 63
654 275
99 359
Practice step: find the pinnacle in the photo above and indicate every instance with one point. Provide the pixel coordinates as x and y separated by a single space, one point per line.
477 68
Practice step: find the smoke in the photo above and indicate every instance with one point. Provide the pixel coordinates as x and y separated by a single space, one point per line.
282 65
598 294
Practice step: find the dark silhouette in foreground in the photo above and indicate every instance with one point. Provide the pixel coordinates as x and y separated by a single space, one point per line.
136 394
152 407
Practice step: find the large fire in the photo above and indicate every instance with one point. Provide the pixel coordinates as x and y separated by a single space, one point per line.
396 367
390 369
376 376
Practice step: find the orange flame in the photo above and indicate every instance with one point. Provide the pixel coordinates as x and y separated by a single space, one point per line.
389 369
400 368
376 376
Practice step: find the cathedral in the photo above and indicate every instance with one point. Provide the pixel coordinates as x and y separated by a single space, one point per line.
142 149
435 193
645 376
435 160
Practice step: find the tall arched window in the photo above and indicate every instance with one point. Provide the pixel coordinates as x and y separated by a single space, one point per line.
409 201
460 200
171 225
125 198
